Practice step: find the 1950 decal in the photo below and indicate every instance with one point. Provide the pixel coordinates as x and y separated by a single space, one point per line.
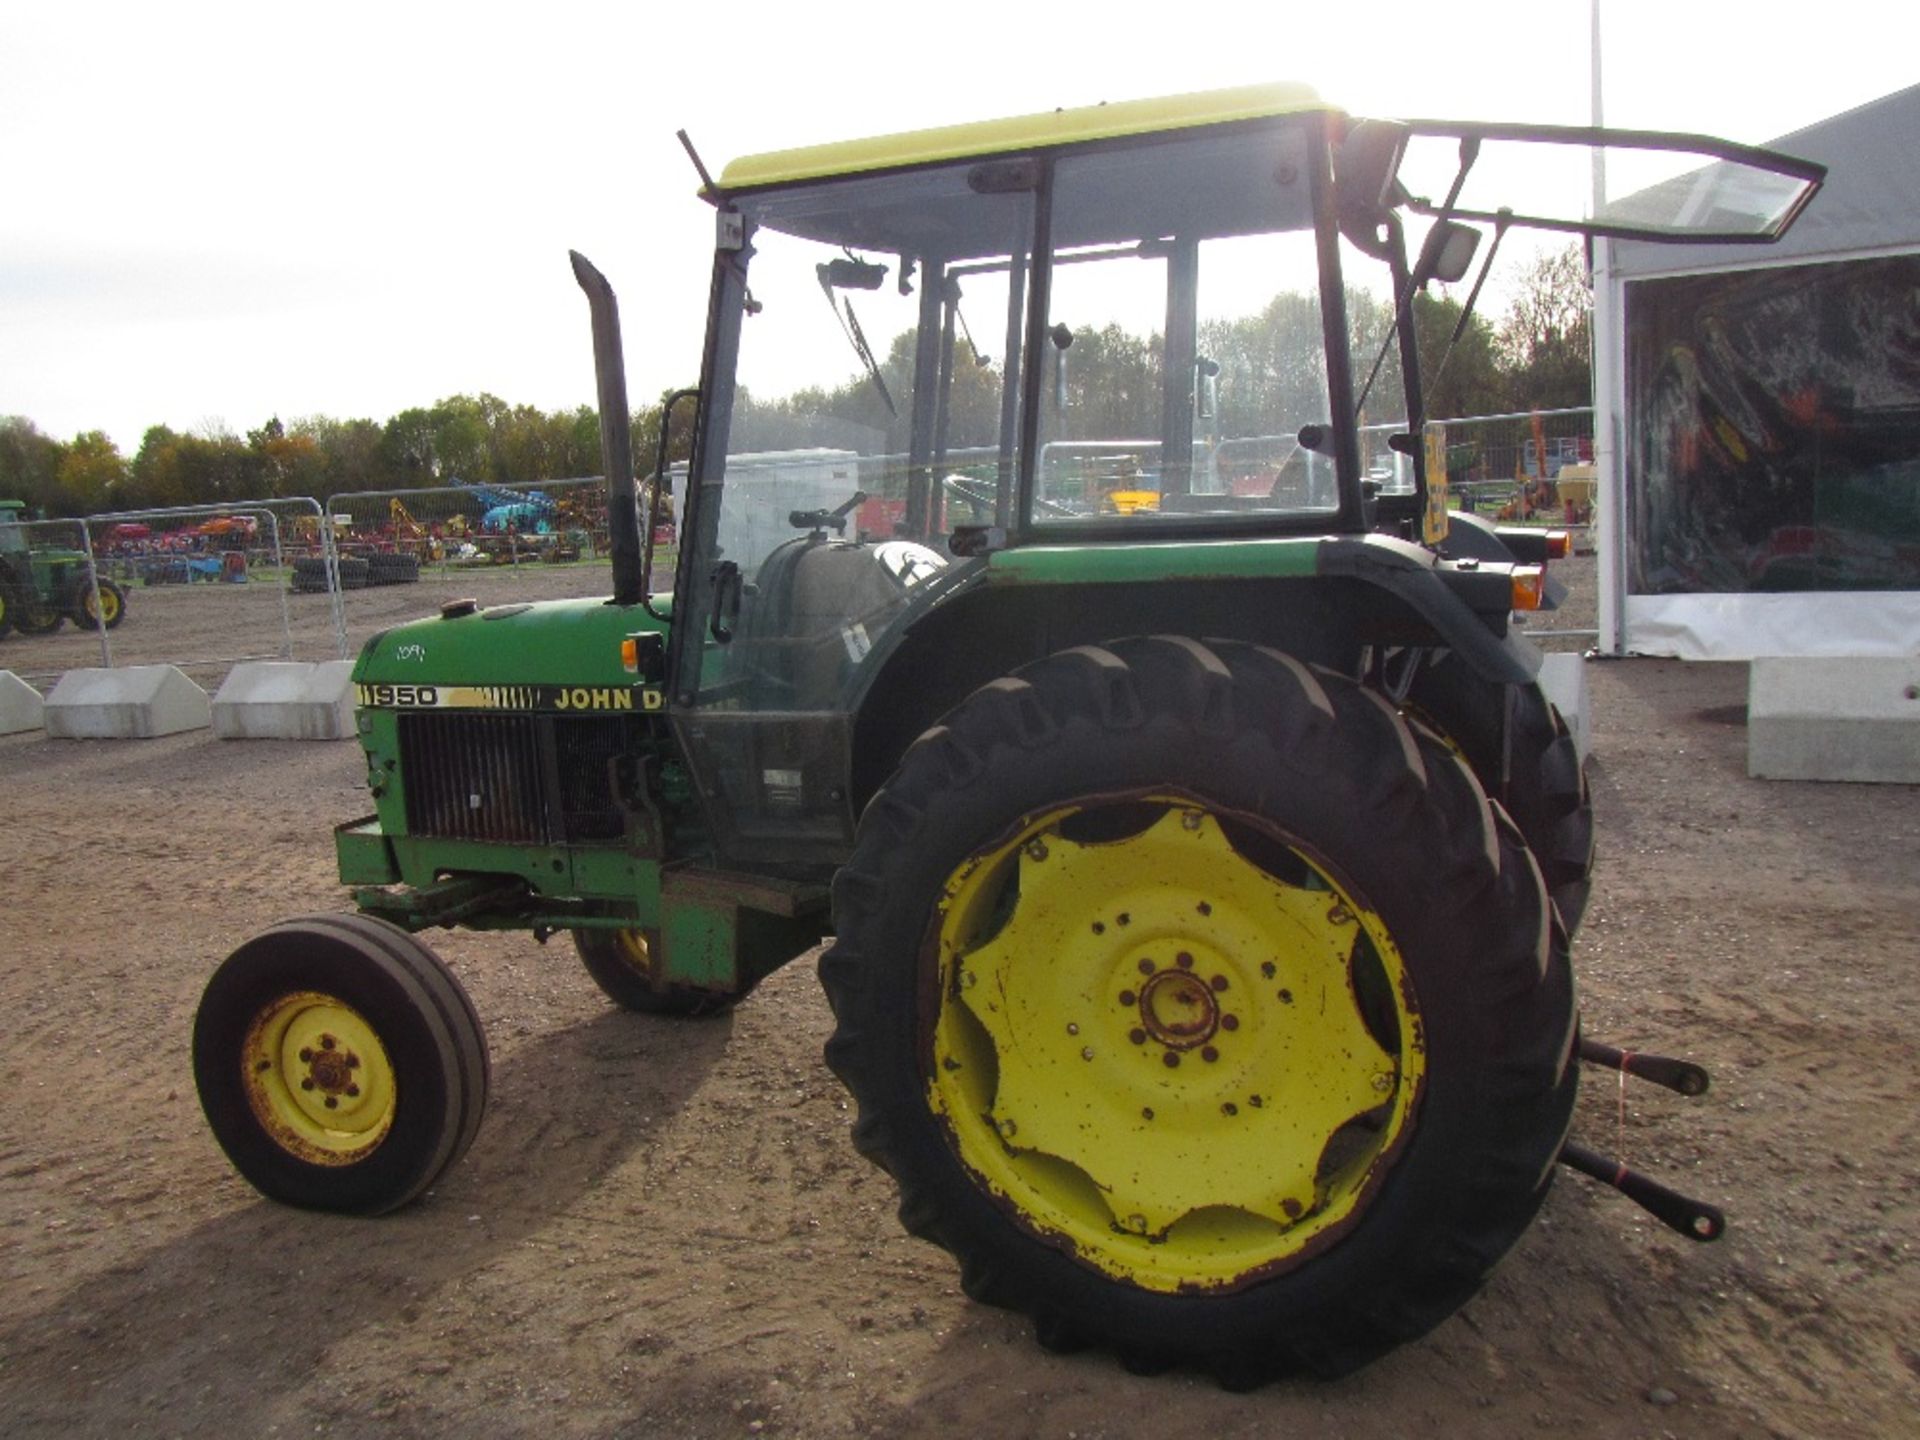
589 699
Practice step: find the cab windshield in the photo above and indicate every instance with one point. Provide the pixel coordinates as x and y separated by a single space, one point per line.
890 347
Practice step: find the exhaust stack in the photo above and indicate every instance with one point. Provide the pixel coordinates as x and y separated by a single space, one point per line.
616 439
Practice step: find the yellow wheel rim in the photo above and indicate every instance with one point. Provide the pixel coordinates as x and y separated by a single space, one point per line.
106 612
318 1079
1186 1055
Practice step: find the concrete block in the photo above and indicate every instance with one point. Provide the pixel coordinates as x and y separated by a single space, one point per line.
1856 718
281 700
138 702
20 705
1563 679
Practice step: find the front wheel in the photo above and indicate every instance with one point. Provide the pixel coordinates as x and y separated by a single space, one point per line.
340 1064
1202 1008
106 615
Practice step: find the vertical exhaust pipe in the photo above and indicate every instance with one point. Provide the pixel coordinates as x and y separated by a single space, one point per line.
616 439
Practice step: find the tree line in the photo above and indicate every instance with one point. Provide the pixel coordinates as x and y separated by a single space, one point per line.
1535 357
1268 364
478 438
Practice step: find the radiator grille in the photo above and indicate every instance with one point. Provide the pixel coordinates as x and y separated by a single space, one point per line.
513 779
475 777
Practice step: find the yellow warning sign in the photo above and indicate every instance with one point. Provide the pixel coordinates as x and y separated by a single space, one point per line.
1433 525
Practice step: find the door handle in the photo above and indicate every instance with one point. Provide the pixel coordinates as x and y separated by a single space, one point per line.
726 601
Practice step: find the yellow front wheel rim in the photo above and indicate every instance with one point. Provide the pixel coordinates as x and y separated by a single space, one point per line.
318 1079
106 612
1170 1041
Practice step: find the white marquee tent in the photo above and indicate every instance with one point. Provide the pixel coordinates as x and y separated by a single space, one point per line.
1761 445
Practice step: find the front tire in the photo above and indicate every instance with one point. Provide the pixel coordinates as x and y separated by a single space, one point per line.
111 610
1202 1008
340 1064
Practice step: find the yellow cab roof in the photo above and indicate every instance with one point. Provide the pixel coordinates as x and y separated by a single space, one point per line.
1020 133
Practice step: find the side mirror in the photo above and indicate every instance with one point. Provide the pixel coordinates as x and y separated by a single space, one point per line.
1447 254
1368 165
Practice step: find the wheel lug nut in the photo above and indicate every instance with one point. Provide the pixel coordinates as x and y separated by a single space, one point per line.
327 1042
332 1104
1229 1022
1209 1054
1171 1059
307 1084
353 1061
1229 1108
1137 1036
1145 967
1219 983
1269 969
306 1055
353 1090
1086 1052
1036 849
1072 1029
1127 997
1382 1083
1183 960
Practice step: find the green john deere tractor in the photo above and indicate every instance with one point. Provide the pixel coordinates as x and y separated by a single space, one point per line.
42 586
1198 851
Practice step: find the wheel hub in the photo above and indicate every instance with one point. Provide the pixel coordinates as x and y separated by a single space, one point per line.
318 1078
1177 1007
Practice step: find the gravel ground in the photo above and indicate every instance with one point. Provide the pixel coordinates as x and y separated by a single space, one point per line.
663 1229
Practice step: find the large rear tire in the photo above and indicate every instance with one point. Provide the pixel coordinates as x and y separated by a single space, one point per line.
340 1064
1544 788
1202 1008
33 616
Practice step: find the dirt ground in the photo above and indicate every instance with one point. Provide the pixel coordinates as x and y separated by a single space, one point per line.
663 1229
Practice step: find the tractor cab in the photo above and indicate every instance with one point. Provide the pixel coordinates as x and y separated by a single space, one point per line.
1090 348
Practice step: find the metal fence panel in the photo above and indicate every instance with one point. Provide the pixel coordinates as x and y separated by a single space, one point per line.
204 586
398 554
49 598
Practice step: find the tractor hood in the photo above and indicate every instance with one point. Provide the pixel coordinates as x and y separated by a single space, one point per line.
548 655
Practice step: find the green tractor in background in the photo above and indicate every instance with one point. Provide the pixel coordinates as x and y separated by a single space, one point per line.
1200 864
41 586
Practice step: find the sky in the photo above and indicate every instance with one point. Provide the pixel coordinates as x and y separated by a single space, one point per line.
216 213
